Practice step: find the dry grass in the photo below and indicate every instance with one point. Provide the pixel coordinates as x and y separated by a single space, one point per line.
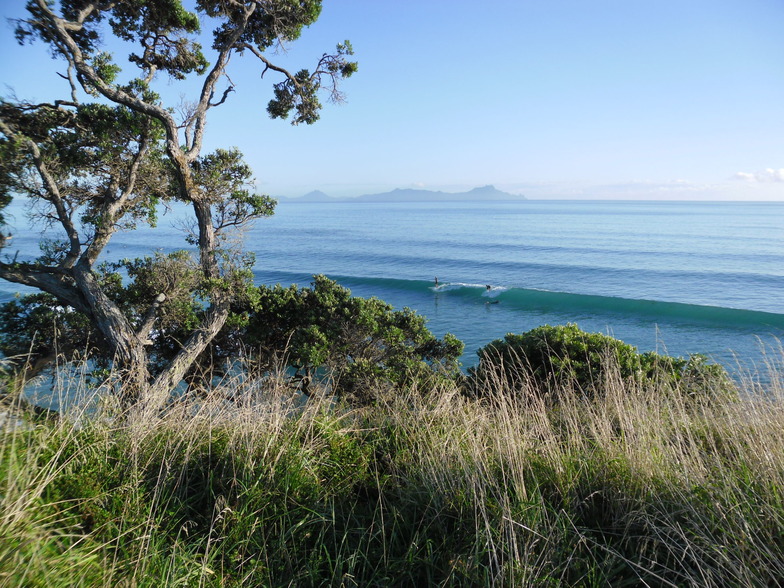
637 486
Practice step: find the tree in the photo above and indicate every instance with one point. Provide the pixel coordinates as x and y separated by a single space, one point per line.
104 158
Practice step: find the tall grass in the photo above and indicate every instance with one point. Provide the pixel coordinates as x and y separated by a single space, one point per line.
245 487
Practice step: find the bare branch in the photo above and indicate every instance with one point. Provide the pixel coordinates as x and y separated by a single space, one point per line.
92 7
226 93
190 350
268 64
71 82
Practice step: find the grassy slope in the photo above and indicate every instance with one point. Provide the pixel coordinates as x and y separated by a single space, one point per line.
635 486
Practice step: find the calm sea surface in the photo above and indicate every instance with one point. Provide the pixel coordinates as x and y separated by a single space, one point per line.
674 277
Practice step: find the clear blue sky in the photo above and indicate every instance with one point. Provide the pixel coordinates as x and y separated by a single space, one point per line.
670 99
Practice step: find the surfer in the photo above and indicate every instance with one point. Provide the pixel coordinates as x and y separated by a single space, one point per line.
436 281
489 287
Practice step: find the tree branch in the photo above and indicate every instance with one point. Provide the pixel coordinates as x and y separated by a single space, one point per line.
211 80
60 29
90 8
190 350
268 64
143 332
54 281
53 193
226 93
111 209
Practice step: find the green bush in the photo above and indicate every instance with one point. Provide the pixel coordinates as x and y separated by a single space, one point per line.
565 357
358 343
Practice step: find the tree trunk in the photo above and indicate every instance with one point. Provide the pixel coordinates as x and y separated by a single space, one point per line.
159 391
130 357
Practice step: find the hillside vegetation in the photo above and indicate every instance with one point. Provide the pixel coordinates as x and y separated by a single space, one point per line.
251 485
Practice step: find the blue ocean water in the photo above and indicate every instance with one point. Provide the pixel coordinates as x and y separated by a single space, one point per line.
676 277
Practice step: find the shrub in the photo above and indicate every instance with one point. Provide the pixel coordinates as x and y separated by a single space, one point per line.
358 342
565 357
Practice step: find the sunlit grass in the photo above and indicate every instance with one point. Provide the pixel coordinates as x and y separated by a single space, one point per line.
638 485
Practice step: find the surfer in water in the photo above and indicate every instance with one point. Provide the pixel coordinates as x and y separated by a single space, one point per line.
436 281
489 287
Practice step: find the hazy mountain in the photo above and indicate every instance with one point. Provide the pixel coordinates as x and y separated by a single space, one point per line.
483 193
316 196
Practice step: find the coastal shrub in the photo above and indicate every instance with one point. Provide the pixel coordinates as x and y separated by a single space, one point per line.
356 342
550 358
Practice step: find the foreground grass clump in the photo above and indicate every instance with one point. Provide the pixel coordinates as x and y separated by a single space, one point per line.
634 486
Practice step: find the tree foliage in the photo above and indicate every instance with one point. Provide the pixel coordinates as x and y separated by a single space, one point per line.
110 152
548 357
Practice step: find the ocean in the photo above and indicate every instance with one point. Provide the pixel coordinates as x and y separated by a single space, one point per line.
673 277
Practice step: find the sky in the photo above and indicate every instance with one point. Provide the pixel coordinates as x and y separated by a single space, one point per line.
576 99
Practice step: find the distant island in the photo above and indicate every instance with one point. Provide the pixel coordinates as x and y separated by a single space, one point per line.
483 193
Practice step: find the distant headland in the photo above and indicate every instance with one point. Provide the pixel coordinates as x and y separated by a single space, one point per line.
482 193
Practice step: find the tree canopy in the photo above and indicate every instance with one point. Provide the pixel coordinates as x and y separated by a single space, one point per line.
110 152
